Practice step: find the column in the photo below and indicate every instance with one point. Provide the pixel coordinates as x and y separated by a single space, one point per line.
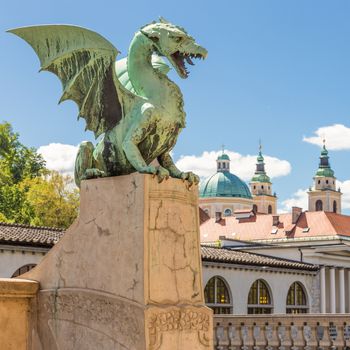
341 291
332 290
323 289
349 291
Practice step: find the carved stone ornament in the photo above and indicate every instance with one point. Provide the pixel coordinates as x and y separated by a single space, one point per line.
178 320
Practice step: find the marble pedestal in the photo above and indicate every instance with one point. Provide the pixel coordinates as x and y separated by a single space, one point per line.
127 274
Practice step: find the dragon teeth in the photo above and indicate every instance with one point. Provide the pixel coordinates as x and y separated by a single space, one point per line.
189 61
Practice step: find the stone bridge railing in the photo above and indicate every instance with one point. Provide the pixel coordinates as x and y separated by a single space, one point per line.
282 332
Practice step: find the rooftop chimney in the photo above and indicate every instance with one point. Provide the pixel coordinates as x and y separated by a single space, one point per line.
218 216
275 220
296 212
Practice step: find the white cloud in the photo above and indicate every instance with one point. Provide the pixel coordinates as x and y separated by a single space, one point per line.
59 157
345 188
337 137
241 165
300 198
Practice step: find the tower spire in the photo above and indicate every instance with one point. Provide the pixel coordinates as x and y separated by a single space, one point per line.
324 167
323 196
261 187
260 173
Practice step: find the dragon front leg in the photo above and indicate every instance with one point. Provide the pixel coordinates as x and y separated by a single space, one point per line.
167 162
137 133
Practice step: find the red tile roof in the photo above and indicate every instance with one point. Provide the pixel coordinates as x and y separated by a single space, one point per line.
18 234
260 227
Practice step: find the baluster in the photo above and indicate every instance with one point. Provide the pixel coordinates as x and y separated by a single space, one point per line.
346 336
256 335
319 336
340 342
220 337
282 336
233 337
271 337
294 333
307 333
247 337
333 334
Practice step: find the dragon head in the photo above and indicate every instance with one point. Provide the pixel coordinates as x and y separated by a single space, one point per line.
175 44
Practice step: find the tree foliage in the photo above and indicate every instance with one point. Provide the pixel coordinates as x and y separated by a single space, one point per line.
29 192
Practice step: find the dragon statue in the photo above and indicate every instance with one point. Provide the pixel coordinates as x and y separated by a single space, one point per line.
131 103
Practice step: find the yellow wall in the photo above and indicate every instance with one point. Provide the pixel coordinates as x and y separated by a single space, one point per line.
15 296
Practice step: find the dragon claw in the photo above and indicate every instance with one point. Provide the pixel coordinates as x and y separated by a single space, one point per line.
192 178
93 173
162 174
150 169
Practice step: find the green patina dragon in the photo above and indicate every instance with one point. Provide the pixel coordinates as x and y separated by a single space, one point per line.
131 102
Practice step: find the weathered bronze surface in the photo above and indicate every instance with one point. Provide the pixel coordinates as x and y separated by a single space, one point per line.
132 103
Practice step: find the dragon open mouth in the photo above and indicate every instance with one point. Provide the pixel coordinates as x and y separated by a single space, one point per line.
179 59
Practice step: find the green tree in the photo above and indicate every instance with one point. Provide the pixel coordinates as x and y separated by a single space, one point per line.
16 160
51 200
30 193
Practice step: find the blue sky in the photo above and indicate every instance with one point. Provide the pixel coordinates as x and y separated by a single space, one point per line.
276 71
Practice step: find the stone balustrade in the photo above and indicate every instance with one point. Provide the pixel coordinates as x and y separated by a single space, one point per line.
282 332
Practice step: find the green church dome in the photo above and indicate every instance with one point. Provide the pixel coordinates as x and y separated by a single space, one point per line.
324 168
224 156
325 172
260 173
261 178
224 184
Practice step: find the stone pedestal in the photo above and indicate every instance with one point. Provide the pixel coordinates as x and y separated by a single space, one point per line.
127 274
15 301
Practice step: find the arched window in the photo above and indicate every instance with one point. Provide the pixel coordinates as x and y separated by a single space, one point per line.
23 270
206 211
227 212
255 208
296 299
217 296
334 206
259 298
319 205
269 209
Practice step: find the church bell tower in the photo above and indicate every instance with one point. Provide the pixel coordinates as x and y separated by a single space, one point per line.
264 201
324 196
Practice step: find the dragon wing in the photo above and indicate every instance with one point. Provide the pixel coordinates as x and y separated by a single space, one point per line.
85 63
